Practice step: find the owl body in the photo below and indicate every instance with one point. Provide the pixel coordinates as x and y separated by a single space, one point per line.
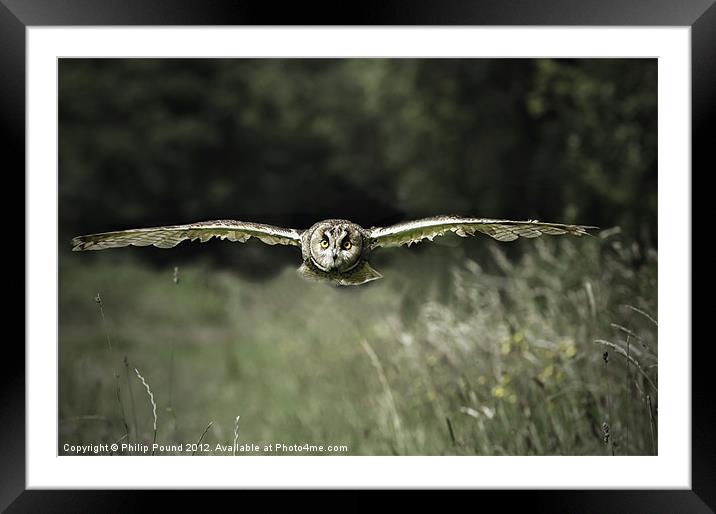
337 251
333 250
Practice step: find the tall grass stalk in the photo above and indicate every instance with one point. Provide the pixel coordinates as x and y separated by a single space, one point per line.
647 316
628 395
118 391
629 358
131 397
606 430
236 435
651 424
154 405
117 442
201 437
170 406
375 361
451 431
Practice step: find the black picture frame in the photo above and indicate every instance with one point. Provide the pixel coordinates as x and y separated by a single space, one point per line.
17 15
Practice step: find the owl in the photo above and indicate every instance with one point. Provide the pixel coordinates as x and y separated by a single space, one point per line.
334 250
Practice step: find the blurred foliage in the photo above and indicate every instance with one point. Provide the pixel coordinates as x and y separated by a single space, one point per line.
508 356
291 141
465 347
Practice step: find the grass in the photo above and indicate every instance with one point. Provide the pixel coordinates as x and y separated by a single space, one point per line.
444 356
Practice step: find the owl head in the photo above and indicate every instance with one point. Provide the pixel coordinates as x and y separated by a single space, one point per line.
335 245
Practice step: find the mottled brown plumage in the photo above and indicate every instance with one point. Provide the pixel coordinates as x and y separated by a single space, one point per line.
333 250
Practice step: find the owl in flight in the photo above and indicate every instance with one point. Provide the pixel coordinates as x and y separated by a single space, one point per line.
332 250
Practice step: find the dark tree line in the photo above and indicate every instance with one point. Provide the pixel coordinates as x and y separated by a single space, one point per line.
148 142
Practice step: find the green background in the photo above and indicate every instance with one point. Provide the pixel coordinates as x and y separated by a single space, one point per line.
466 346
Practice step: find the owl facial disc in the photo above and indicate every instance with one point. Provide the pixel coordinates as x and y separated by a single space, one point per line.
336 246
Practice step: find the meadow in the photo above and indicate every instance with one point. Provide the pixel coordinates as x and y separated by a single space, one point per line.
539 347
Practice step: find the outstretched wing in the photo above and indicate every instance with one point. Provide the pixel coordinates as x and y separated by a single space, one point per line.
168 237
410 232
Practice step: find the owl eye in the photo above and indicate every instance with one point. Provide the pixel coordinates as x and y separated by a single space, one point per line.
324 243
346 245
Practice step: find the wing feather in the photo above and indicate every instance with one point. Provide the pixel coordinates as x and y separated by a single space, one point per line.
411 232
170 236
